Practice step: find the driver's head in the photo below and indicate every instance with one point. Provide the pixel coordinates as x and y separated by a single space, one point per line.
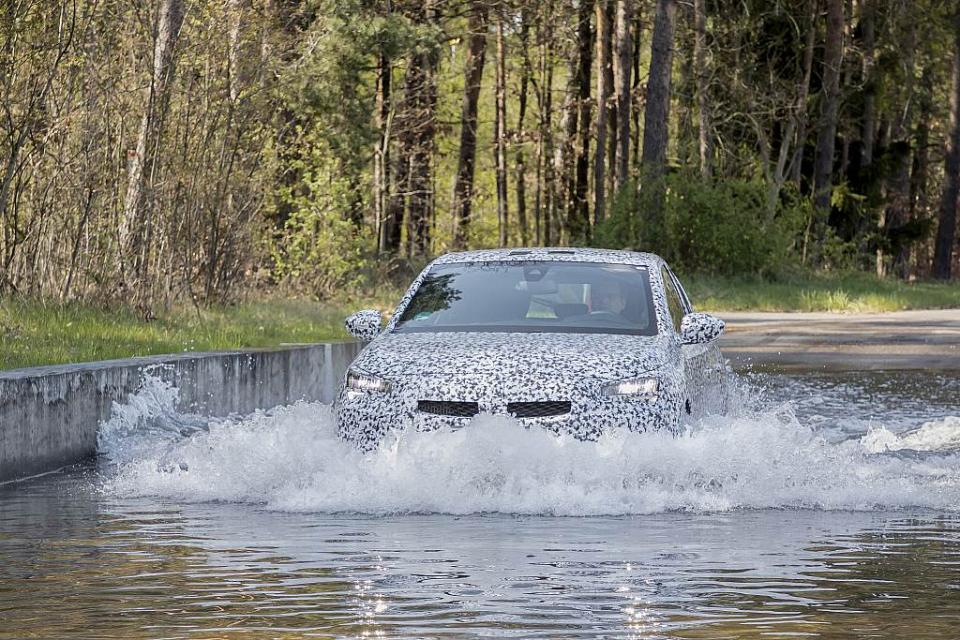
607 296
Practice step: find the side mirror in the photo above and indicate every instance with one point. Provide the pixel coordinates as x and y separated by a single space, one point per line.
364 325
700 328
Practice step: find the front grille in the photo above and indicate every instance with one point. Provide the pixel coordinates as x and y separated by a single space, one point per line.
538 409
451 409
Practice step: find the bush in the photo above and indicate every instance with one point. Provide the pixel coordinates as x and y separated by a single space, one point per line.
323 246
716 226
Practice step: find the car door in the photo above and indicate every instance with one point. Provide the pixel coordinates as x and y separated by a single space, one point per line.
702 363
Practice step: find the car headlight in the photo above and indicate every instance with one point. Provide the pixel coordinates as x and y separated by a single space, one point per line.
634 387
358 382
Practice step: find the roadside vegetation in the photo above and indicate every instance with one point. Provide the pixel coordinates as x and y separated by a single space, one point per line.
164 163
33 334
850 292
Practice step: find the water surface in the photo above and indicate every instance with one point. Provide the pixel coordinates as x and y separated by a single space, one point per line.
828 506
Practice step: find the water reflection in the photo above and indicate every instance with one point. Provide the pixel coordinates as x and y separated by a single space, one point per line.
76 564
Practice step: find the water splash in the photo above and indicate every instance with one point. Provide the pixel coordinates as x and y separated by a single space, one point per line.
290 459
936 435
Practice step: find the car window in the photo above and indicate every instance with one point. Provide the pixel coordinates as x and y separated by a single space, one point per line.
533 296
684 298
673 300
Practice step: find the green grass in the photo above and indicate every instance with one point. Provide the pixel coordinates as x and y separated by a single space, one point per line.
845 293
33 334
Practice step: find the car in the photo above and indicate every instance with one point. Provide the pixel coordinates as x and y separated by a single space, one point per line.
576 341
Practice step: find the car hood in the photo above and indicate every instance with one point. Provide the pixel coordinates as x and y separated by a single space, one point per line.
606 356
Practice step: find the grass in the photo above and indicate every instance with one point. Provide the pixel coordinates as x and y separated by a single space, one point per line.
844 293
36 334
33 333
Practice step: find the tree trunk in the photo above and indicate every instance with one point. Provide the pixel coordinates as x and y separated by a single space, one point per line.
580 230
796 128
135 223
919 172
397 202
545 176
622 65
603 95
656 120
381 154
612 118
420 176
896 214
702 78
473 73
635 88
501 134
796 170
656 123
415 126
829 109
869 123
565 155
947 227
521 168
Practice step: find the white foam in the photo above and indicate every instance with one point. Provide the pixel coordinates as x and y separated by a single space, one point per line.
936 435
291 459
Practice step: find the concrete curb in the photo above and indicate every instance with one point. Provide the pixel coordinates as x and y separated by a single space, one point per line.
49 415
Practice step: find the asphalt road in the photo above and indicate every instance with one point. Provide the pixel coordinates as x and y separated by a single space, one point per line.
895 340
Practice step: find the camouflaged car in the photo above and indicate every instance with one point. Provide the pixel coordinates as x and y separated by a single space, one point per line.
577 341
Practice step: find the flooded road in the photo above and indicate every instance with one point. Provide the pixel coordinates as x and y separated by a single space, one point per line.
828 506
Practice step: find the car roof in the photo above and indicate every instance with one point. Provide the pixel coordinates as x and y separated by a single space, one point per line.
559 254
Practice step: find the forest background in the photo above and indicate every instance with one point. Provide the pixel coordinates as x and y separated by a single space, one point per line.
156 153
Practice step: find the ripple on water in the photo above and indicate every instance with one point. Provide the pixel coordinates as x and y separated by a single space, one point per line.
203 528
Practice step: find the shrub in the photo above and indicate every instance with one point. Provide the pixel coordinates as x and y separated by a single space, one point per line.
718 226
323 246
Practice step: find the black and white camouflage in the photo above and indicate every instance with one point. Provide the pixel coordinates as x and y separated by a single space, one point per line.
364 325
495 369
699 328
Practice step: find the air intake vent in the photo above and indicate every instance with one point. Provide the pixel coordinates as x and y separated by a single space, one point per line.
561 252
538 409
520 252
451 409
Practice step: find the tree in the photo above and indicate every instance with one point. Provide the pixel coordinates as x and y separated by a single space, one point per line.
603 97
473 73
702 79
868 124
500 133
580 222
947 227
623 62
521 166
829 109
381 151
135 226
656 120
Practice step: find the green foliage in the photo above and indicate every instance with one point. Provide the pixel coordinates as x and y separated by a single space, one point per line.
720 226
320 249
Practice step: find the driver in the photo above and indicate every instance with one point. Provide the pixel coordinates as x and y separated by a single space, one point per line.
607 297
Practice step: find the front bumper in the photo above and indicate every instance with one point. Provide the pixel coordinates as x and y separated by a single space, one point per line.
366 417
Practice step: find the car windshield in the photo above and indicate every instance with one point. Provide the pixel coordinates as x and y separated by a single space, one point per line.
533 297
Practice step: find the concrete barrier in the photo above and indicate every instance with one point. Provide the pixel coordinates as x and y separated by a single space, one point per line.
49 415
